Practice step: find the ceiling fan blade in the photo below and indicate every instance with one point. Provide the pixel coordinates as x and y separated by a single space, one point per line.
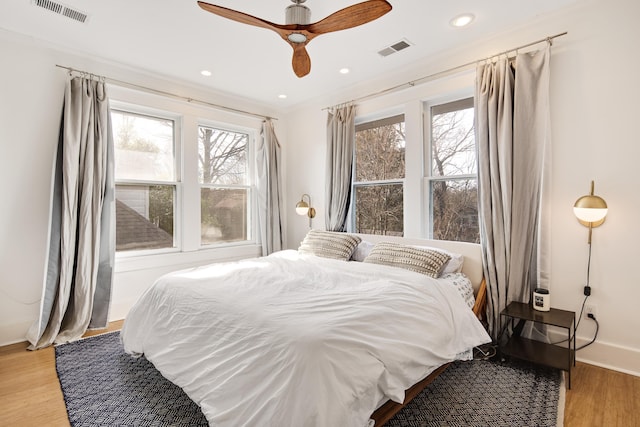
351 16
244 18
301 61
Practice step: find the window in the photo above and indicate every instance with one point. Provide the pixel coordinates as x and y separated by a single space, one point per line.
146 181
225 190
379 177
185 182
453 180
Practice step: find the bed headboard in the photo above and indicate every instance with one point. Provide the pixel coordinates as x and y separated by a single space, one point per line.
472 252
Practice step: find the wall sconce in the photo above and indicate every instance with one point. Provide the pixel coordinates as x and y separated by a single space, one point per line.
590 211
304 208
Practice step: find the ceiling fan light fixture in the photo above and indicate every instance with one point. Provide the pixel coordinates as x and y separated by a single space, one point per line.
297 38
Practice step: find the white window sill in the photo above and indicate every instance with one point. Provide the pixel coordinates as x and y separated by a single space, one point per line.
186 259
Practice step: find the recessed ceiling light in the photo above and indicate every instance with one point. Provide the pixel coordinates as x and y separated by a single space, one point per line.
462 20
344 70
282 96
205 73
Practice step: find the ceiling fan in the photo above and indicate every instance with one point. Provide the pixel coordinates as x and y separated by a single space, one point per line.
298 31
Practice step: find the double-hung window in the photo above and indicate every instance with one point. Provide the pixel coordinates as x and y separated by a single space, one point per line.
378 184
185 182
453 178
225 176
147 180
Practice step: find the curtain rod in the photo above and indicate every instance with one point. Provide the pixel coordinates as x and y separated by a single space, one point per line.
445 72
172 95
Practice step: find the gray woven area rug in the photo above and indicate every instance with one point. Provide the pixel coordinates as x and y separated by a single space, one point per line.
103 386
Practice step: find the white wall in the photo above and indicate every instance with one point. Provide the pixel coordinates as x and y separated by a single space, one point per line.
594 108
31 94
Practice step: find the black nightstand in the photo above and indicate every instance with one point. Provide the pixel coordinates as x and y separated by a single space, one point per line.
539 352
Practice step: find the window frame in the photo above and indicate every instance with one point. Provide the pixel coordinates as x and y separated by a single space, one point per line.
388 119
252 205
154 113
449 104
187 247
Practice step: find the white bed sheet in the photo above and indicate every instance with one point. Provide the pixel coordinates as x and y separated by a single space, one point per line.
298 340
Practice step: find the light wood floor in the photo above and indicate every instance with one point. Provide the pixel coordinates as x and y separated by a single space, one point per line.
30 393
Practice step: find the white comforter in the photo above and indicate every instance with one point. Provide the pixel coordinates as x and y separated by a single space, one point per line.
297 340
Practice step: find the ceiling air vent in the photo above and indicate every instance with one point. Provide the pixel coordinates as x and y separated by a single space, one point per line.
396 47
62 9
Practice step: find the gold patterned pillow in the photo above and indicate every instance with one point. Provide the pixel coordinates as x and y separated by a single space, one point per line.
329 244
425 261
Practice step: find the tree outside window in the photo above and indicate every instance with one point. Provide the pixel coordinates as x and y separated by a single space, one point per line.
225 191
453 182
378 185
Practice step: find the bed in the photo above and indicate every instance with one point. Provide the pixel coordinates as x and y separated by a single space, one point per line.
306 338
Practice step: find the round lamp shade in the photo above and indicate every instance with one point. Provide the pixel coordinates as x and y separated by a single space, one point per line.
590 209
302 208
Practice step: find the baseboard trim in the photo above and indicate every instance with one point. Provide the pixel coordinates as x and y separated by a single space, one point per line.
113 325
14 333
610 356
605 355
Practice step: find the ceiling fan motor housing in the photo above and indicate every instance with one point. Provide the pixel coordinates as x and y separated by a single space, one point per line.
298 14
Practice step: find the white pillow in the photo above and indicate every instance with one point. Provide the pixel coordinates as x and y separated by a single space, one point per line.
463 285
362 251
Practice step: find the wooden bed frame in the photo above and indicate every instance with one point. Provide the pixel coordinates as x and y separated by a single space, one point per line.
473 269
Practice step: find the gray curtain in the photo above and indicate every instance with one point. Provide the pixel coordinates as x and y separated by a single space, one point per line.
512 134
78 277
341 135
269 188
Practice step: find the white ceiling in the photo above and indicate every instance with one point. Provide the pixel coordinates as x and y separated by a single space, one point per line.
177 39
